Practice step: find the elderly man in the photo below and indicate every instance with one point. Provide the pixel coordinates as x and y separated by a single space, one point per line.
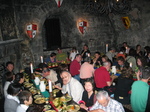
140 92
71 86
106 104
75 67
102 76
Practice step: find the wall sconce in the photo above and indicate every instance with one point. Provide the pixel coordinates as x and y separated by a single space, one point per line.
126 22
82 26
59 2
31 30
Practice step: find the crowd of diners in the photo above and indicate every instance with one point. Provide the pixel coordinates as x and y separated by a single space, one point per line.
88 80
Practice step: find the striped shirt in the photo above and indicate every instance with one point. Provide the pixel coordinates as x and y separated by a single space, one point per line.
113 106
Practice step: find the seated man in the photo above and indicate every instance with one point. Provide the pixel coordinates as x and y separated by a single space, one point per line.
105 104
122 63
51 75
71 86
139 91
102 77
61 56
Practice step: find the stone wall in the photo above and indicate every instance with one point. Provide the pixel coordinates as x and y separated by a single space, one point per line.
100 30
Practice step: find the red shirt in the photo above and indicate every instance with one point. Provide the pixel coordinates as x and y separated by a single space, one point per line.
101 77
75 67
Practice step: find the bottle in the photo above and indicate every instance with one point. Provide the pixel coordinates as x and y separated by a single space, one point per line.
42 86
37 81
113 69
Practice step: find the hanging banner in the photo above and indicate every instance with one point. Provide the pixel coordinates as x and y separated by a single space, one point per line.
126 22
59 2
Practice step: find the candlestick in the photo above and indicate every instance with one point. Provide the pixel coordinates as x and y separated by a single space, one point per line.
41 59
31 67
50 86
106 48
131 64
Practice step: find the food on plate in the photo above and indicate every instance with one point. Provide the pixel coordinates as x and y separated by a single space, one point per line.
39 100
38 96
47 107
73 107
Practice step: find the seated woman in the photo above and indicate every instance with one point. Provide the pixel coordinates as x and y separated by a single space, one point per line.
71 86
52 58
105 59
19 79
11 101
73 53
88 96
124 86
9 78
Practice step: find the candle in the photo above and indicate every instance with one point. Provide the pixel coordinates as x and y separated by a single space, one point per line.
50 86
131 64
41 59
106 48
31 67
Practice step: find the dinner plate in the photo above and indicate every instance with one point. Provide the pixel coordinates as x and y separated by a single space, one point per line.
38 96
39 100
73 108
47 107
50 111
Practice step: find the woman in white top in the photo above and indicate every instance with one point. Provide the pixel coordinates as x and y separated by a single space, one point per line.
9 78
73 53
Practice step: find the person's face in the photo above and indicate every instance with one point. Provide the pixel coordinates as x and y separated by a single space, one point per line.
103 60
97 55
103 102
139 48
85 47
65 77
120 62
125 45
88 86
139 63
21 80
79 58
30 101
108 67
10 67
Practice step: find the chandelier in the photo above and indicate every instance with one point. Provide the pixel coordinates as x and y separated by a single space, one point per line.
108 6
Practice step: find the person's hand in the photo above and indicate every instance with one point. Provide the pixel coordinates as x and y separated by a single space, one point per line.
113 77
138 74
83 106
56 86
100 110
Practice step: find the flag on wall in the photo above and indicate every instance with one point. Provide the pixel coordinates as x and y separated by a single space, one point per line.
126 22
59 2
31 30
82 26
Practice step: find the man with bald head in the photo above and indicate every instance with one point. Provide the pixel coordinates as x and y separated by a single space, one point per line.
71 86
106 104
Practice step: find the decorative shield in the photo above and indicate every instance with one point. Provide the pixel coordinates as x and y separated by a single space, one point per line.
126 22
31 30
59 2
82 26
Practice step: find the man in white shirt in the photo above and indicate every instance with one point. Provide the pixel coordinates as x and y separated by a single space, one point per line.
71 86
